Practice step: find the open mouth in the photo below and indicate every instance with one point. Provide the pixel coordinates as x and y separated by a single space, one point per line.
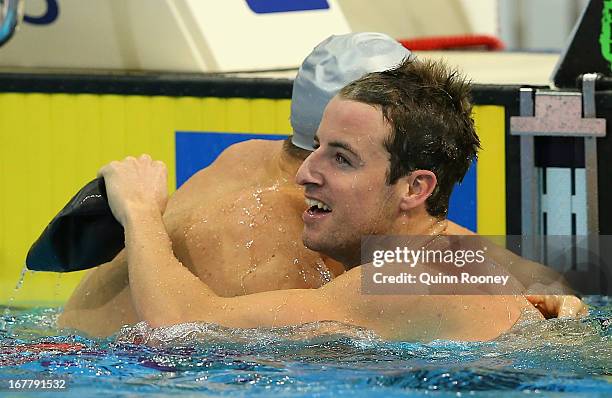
316 207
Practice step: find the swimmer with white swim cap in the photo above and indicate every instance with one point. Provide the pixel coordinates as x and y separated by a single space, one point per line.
199 218
334 63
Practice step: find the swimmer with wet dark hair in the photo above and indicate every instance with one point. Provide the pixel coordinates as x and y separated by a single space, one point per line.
373 172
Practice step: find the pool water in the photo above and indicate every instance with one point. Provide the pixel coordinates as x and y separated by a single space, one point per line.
545 358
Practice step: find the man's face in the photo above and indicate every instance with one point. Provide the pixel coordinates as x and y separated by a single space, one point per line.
346 176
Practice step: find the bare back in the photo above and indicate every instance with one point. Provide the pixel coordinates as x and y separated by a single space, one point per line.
242 212
251 223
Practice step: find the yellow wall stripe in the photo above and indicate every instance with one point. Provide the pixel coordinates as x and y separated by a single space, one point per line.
491 170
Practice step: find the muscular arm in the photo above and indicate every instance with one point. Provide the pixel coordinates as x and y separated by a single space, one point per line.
101 303
164 293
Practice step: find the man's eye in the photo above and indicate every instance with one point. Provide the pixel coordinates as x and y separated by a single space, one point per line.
340 159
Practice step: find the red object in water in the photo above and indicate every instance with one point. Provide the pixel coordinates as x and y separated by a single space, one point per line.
14 355
40 347
62 347
491 43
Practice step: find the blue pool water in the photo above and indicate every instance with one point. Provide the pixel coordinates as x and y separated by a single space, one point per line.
546 358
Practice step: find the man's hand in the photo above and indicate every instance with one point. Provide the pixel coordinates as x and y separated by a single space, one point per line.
135 185
554 302
558 306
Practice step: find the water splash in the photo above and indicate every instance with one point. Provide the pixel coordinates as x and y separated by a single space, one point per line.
58 286
7 310
22 275
544 358
198 332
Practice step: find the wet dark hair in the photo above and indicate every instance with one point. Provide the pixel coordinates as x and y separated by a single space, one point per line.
429 109
295 151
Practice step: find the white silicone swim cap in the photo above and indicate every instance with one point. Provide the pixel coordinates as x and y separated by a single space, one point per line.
334 63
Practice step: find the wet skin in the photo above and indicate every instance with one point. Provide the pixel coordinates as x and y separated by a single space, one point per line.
165 293
244 213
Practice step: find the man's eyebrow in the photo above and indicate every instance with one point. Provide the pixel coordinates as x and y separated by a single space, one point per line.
345 146
339 144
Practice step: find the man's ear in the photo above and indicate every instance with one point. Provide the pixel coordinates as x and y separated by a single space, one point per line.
418 186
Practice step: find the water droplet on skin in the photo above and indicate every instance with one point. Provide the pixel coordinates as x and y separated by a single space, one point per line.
323 271
302 273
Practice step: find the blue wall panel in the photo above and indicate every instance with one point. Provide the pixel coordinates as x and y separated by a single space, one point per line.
272 6
194 151
462 207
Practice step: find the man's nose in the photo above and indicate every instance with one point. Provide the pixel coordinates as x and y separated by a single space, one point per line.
307 173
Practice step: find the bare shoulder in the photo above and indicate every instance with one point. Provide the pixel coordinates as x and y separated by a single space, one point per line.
426 317
456 229
230 165
251 151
